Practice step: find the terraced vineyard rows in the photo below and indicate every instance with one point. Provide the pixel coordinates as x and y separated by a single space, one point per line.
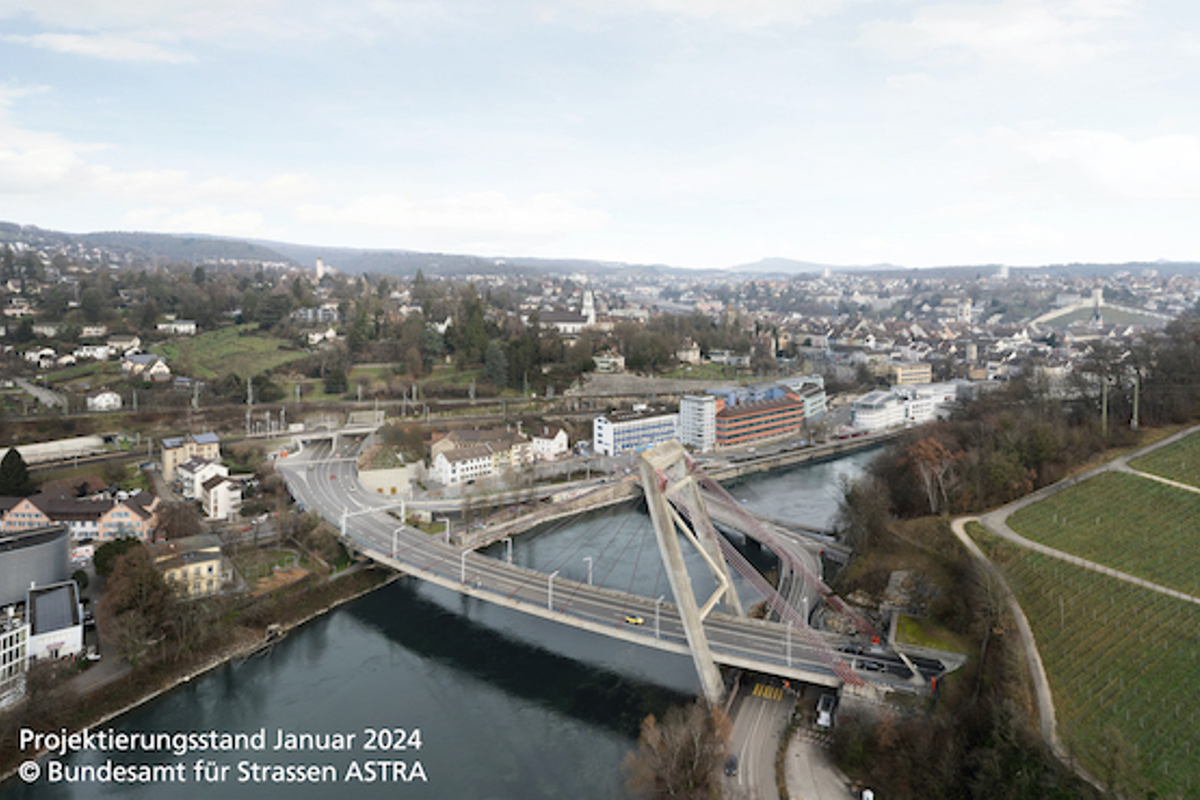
1127 522
1179 461
1123 664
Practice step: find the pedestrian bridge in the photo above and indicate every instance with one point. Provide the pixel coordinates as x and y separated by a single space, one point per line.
326 483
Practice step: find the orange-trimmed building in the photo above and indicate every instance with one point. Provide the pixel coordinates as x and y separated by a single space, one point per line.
766 419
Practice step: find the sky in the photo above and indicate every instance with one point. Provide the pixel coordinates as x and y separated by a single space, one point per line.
695 133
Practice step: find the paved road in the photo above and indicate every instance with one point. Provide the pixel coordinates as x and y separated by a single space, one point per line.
44 396
761 718
326 482
997 521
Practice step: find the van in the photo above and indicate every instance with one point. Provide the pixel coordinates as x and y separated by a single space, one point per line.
825 708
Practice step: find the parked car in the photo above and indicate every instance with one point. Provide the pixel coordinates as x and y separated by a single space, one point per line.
825 708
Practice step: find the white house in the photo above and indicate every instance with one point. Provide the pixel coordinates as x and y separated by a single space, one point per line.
93 331
462 464
550 444
221 497
609 361
146 366
99 352
103 400
180 327
125 344
192 474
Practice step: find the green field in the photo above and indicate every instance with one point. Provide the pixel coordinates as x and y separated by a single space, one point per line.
1179 461
1123 664
1127 522
1110 315
224 351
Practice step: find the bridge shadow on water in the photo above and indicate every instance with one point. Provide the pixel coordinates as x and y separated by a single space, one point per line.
584 691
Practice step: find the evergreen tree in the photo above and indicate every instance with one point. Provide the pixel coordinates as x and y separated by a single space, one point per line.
14 475
495 367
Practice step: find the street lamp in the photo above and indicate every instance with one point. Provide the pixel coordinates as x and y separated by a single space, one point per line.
550 591
657 603
789 643
394 548
447 521
462 567
588 559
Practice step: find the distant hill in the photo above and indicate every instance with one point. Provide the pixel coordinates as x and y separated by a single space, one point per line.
199 248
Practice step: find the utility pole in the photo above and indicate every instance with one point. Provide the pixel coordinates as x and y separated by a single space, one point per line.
1104 408
1133 424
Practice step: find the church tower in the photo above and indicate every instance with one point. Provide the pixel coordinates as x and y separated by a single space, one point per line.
589 305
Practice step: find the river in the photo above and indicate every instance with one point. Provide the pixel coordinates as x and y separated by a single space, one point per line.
507 706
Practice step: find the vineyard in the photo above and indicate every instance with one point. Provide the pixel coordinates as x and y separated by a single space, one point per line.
1123 664
1124 521
1179 461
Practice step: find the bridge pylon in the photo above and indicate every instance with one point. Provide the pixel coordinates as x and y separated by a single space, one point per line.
663 465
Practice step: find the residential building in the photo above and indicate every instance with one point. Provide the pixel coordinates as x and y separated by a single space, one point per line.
622 431
509 448
47 329
14 658
192 566
756 420
191 475
462 464
609 361
146 366
221 497
179 327
125 344
689 353
177 449
93 331
103 400
99 352
549 444
698 421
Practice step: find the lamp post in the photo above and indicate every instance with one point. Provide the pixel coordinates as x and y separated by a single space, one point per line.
345 511
447 521
657 604
462 567
789 643
550 591
588 559
394 548
508 555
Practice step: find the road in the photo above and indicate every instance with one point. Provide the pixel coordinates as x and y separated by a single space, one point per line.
44 396
326 482
760 719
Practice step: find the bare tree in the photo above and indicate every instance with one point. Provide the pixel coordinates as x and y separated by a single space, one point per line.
682 755
177 520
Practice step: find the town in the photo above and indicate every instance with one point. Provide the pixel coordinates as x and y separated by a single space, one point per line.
164 402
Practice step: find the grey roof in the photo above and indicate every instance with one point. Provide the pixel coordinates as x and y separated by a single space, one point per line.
52 608
206 438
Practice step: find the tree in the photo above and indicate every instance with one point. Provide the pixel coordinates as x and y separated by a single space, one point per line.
108 553
495 366
135 604
176 520
932 462
14 475
682 756
335 381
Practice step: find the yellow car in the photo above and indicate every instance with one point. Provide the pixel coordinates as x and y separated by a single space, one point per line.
634 620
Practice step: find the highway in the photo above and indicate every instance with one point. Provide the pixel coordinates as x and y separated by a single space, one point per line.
326 482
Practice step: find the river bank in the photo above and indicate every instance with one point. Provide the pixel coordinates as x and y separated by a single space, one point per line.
289 608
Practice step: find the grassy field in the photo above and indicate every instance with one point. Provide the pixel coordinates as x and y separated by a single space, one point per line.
1123 664
1127 522
224 351
706 372
1179 461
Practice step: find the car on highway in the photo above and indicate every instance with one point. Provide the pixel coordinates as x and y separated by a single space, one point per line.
731 765
632 620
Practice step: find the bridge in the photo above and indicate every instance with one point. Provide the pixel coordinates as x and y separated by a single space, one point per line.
325 481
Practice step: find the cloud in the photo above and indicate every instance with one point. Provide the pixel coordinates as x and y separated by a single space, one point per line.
488 215
1157 168
209 220
1047 34
110 47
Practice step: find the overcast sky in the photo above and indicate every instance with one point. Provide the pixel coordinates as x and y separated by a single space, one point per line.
689 132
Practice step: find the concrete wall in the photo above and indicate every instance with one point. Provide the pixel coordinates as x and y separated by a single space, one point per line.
393 482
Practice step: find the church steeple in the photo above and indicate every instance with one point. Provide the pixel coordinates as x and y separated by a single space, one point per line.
589 304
